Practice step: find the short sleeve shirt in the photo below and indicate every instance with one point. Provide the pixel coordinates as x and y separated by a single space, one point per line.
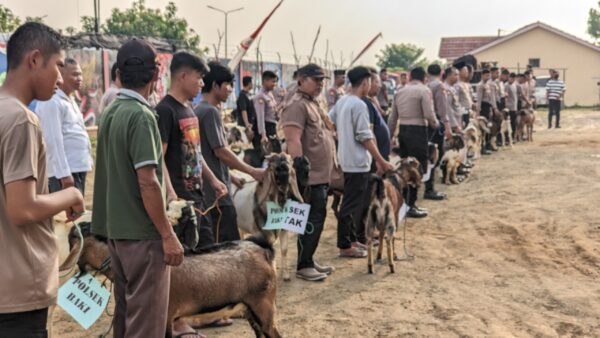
244 103
128 139
28 253
317 141
180 131
212 137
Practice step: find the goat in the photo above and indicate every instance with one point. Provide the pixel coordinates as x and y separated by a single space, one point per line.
453 157
279 185
214 278
525 120
495 123
386 201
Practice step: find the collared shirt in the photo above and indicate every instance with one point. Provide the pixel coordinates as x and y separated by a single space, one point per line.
413 105
128 139
333 95
531 84
484 94
511 96
69 147
499 89
305 113
440 102
265 107
465 96
493 93
454 109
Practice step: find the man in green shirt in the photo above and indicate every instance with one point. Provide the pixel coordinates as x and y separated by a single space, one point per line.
129 199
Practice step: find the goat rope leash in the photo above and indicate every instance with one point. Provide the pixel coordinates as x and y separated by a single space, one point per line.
78 253
207 211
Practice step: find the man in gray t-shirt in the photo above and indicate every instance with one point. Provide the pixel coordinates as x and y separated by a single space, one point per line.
213 142
356 149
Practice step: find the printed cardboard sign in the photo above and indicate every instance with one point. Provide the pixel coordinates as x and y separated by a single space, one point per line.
84 299
292 217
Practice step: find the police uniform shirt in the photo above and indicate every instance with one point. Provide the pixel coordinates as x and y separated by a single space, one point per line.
413 105
493 93
265 106
333 95
440 102
454 109
483 94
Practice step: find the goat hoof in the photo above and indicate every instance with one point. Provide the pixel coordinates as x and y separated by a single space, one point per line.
370 269
287 278
392 269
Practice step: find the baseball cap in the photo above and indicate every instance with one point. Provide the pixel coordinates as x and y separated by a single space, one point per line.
136 55
312 70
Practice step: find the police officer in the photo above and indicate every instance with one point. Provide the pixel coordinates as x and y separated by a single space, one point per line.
305 125
337 90
485 104
443 131
465 96
454 108
265 107
413 106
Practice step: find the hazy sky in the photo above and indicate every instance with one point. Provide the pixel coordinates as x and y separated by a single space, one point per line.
347 24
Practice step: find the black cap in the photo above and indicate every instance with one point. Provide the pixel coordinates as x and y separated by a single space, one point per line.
136 55
339 72
312 70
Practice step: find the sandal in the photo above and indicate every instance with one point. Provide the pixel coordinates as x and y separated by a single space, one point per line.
352 253
191 334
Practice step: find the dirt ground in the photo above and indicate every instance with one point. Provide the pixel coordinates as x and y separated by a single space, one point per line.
513 252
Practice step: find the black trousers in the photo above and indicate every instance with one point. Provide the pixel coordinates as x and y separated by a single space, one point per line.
554 109
30 324
413 142
308 243
225 228
54 184
437 137
350 220
270 129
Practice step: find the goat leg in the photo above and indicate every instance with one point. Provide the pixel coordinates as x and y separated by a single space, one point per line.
370 254
390 255
380 247
283 242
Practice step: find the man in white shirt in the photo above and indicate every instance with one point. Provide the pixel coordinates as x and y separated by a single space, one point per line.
68 144
111 93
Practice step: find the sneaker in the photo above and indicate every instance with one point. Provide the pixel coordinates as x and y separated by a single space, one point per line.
310 274
326 269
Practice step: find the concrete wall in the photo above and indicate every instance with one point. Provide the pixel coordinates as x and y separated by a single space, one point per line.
554 51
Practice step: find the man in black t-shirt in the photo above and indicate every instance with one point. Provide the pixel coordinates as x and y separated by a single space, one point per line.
180 133
246 116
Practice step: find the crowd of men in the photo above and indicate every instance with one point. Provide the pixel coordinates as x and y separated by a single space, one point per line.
148 155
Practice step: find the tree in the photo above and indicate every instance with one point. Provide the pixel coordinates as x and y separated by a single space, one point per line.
594 23
38 19
8 21
142 21
401 56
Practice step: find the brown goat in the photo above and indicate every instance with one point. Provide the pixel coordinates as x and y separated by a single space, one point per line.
525 121
386 201
215 278
250 201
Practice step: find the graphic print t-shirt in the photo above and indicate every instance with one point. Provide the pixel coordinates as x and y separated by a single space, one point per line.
180 130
